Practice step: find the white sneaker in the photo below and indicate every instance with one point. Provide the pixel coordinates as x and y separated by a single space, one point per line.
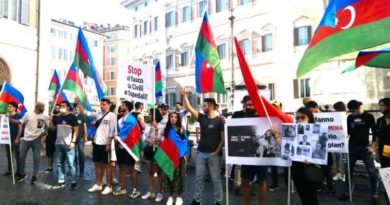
159 197
135 194
337 177
148 195
170 201
179 201
95 188
107 190
155 175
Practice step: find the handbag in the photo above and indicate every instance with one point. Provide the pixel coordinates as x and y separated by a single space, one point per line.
313 173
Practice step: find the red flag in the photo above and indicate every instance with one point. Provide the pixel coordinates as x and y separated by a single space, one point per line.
253 92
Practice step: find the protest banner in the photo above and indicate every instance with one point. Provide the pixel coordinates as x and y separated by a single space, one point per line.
305 142
249 142
385 176
337 130
5 136
136 82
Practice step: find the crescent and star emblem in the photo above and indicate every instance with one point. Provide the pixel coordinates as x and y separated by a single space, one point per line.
353 17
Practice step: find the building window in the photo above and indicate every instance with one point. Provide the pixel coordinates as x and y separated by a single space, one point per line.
266 42
111 75
53 52
244 44
111 62
184 58
301 88
53 32
60 53
95 43
302 35
169 62
145 27
243 2
171 98
202 5
112 91
220 5
186 15
65 55
170 19
221 51
271 88
111 49
222 98
155 23
136 31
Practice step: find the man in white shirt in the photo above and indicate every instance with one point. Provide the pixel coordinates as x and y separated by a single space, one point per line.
36 126
105 130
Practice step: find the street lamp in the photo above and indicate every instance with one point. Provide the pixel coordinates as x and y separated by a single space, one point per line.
231 19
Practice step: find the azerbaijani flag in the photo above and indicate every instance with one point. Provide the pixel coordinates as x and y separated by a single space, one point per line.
377 59
169 152
129 136
347 26
253 91
208 72
74 84
158 80
55 85
84 61
11 94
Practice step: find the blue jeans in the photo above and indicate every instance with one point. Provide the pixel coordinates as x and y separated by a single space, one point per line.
214 166
65 155
35 145
361 152
80 156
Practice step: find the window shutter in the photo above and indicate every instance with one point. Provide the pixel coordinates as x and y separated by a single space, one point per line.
296 88
209 7
192 12
296 37
309 33
263 44
176 17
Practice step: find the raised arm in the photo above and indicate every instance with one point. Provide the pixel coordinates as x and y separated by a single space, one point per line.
188 105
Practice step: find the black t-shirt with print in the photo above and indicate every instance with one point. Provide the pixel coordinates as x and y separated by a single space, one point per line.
210 133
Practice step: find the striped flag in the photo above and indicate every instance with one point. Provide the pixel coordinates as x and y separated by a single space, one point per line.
158 80
130 136
11 94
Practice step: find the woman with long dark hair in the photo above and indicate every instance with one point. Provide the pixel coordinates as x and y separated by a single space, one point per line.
175 131
307 190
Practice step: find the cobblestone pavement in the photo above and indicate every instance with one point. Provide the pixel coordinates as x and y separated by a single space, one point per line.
42 193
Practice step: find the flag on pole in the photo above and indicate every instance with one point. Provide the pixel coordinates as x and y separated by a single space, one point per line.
377 59
84 61
208 72
11 94
253 92
74 84
55 85
347 26
169 152
158 80
130 136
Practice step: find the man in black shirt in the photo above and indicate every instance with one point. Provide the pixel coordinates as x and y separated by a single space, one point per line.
248 172
82 138
209 148
359 124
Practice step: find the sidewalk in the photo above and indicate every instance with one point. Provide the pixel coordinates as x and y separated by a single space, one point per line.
42 193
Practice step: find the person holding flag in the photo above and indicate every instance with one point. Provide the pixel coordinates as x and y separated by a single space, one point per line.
125 160
15 129
172 157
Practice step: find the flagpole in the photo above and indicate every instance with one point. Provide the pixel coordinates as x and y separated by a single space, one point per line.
11 153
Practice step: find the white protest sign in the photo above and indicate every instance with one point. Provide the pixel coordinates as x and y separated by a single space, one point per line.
385 176
248 141
337 130
5 135
136 82
305 142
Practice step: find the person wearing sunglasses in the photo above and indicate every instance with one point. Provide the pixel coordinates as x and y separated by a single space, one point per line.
306 189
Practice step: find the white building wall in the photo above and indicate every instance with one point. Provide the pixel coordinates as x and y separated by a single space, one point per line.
278 66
